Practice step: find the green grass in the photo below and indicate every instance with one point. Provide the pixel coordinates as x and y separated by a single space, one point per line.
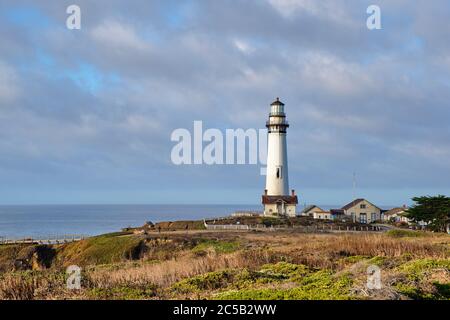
378 261
105 249
354 259
217 246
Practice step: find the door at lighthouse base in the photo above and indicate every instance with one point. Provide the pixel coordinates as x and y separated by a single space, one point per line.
280 208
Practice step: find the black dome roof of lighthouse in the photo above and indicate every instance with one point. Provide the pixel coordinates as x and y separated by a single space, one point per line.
277 103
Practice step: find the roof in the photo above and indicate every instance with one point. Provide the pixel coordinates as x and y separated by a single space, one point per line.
277 103
356 202
352 204
336 211
275 199
395 211
322 212
310 207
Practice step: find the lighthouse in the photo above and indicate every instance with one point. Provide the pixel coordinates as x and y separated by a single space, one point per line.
277 200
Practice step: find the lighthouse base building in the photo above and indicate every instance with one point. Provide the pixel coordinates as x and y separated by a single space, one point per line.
277 200
280 206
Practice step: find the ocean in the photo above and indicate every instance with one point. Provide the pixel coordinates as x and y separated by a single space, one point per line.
56 220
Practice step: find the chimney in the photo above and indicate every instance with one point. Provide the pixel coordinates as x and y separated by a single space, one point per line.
293 192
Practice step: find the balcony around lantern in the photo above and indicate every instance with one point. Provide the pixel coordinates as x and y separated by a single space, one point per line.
277 114
283 124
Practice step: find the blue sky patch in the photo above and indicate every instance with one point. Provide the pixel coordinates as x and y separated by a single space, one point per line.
89 78
27 17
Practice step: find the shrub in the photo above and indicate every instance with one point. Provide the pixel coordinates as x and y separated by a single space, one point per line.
285 270
248 278
417 269
208 281
418 280
124 293
320 285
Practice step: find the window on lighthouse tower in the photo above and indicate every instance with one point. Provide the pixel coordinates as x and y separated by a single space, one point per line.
278 172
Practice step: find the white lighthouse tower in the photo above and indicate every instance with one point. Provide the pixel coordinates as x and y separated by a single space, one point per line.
277 200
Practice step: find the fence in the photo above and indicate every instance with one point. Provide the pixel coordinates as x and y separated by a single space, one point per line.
227 227
314 228
348 228
56 239
247 214
232 226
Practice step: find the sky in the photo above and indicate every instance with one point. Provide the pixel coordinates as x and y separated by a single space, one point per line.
86 116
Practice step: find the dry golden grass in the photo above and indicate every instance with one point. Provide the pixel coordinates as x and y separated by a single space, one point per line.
29 286
318 251
322 250
165 273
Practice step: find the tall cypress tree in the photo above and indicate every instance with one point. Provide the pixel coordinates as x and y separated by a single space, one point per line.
434 210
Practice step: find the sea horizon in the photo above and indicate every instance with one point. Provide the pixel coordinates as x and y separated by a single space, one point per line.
42 220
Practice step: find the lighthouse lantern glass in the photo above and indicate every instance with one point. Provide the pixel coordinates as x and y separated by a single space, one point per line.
277 109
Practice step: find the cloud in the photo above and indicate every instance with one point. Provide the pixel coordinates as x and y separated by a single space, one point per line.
288 7
118 36
334 10
9 87
244 46
329 73
94 108
437 153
